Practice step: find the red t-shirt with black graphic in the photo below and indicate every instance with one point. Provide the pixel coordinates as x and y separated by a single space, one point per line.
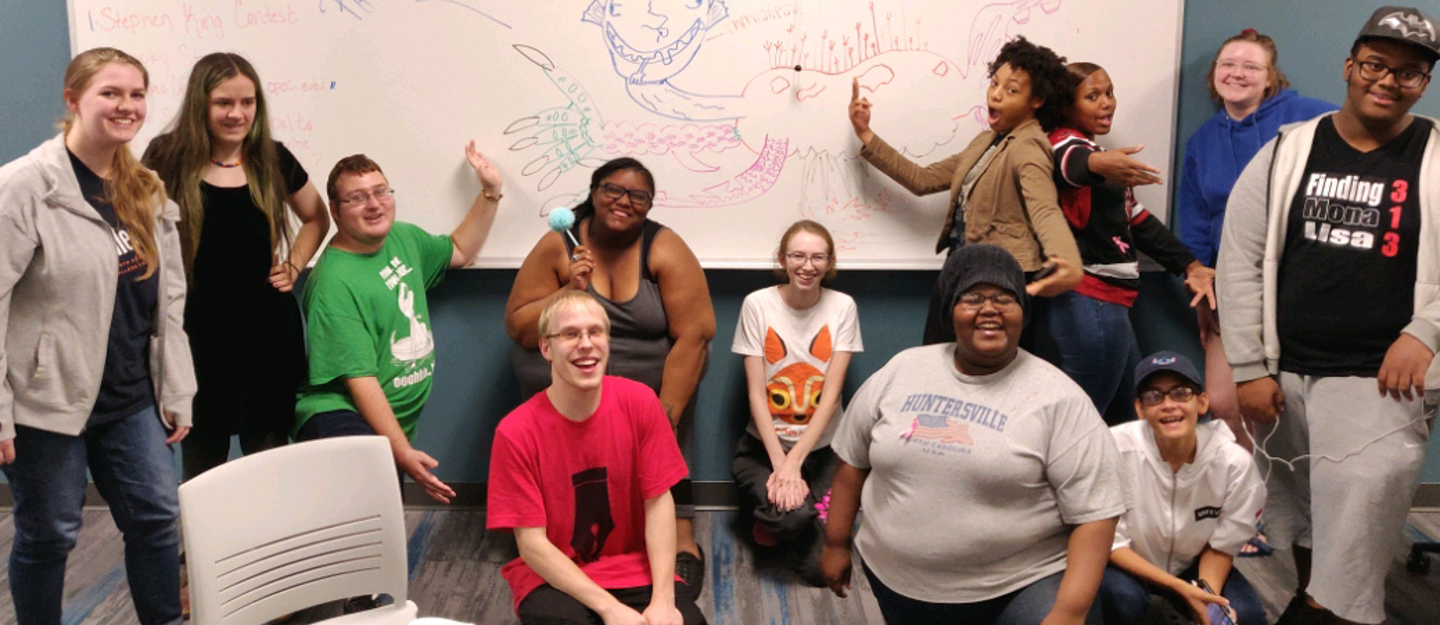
584 482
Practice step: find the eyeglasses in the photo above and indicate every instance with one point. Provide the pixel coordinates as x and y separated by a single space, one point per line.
638 197
361 197
572 336
1407 78
1003 302
1236 67
1154 396
815 259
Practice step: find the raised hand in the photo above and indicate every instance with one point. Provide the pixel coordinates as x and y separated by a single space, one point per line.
490 179
860 113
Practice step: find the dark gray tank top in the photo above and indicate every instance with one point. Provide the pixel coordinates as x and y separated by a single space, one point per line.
639 332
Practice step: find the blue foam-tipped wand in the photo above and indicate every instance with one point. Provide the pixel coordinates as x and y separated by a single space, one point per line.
561 220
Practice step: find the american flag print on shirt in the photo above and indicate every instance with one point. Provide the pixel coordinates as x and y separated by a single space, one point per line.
938 428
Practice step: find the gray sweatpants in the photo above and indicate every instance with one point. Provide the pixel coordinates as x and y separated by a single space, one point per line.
1348 500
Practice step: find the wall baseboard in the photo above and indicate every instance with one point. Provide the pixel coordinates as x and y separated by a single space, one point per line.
708 496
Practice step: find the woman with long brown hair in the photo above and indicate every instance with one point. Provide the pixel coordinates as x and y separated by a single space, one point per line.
96 360
237 189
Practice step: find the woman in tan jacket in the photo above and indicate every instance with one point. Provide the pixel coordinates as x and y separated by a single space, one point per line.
1001 187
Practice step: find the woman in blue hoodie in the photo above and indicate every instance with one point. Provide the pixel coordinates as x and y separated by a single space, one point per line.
1250 90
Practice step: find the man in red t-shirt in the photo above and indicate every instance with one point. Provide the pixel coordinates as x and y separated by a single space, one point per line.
581 473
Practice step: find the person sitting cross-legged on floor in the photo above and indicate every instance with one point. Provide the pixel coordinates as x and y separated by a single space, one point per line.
581 474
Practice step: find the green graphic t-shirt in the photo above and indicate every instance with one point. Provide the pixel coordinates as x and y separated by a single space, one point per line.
367 316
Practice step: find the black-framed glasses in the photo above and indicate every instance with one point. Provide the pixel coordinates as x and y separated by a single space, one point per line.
1003 302
361 197
1155 396
638 197
1407 78
572 336
799 258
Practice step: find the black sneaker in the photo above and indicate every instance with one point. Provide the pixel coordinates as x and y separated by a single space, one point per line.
360 604
691 569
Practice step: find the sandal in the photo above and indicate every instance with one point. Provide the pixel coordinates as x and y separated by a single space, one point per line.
1257 546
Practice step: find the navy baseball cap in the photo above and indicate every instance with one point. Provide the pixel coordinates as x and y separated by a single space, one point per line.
1167 361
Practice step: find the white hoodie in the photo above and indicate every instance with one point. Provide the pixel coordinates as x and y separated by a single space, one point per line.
1215 500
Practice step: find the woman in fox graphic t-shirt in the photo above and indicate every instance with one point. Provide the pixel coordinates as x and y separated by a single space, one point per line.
797 339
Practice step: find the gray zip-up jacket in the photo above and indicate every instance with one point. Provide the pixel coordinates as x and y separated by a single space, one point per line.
1248 272
57 294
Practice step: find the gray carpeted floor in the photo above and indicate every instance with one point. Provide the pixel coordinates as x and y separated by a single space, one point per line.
455 573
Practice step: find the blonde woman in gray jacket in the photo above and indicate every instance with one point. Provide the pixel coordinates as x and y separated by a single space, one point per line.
97 366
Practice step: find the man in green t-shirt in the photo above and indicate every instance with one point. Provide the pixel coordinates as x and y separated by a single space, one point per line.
370 344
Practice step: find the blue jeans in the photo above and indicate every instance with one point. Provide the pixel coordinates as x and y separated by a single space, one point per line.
1027 606
134 470
1098 350
1126 599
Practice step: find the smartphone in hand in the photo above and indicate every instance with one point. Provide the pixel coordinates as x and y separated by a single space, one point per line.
1215 613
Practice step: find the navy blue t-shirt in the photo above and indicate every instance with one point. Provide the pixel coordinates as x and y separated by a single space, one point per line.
1347 277
125 387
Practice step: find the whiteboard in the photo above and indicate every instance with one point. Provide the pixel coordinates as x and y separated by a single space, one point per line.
705 92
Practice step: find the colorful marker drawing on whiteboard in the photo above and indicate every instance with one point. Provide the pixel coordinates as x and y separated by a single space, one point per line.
565 138
651 43
807 82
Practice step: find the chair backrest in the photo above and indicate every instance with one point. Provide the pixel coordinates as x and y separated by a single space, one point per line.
282 530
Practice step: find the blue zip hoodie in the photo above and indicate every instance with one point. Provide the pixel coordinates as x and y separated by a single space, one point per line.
1214 158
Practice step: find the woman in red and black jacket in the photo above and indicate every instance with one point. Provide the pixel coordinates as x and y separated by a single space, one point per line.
1091 325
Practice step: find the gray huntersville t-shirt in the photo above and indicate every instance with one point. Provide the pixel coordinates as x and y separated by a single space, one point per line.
974 480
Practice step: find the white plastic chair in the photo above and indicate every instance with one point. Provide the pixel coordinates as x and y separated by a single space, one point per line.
286 529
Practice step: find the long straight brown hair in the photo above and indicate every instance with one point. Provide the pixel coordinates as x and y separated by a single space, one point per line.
182 155
131 189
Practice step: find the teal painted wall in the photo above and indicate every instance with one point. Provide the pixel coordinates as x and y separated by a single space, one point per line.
473 384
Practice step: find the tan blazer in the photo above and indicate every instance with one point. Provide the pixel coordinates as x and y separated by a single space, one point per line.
1013 204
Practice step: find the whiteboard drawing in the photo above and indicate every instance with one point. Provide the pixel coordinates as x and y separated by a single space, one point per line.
738 106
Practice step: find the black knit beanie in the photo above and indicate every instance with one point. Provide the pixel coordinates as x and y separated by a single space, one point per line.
982 264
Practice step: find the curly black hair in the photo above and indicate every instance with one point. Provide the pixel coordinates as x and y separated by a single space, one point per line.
1049 80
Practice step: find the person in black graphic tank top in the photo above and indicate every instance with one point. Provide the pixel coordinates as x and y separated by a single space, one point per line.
1329 285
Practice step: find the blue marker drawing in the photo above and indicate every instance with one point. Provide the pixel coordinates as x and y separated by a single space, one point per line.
348 7
651 42
565 134
466 5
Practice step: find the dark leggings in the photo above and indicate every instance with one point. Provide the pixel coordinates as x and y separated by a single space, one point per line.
1027 606
205 449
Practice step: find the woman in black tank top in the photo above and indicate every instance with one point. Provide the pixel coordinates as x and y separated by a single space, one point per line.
654 290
